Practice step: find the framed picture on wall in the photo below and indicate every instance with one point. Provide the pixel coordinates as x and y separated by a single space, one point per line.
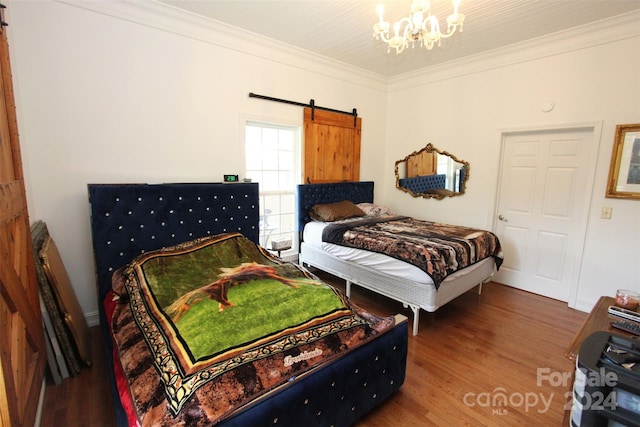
624 172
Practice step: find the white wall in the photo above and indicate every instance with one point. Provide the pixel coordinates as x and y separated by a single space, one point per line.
104 99
466 106
135 92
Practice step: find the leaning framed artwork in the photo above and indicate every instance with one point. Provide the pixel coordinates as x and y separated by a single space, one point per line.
624 171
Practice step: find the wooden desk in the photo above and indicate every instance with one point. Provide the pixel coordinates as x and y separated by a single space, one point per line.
597 320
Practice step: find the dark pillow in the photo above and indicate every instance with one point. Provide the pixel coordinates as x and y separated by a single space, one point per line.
335 211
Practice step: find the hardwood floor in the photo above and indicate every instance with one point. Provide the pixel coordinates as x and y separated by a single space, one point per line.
470 356
84 400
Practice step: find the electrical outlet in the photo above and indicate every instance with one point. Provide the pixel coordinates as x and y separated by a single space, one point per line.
606 213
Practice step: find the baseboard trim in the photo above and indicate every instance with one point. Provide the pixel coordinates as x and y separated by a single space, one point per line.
584 305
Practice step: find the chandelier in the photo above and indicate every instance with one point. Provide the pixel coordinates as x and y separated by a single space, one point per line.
419 26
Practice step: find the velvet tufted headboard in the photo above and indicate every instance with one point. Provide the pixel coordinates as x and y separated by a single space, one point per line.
423 183
129 219
313 194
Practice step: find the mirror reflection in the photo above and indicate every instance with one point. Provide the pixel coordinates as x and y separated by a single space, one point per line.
431 173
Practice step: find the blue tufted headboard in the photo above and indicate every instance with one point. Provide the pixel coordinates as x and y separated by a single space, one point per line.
423 183
129 219
313 194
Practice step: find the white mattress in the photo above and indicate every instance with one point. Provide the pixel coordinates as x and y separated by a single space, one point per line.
312 235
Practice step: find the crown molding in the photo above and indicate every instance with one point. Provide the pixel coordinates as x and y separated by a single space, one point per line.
621 27
177 21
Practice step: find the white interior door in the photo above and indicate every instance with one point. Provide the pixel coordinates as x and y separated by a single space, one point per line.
542 210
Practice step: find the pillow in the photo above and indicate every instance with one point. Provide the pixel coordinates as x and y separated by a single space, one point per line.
335 211
371 209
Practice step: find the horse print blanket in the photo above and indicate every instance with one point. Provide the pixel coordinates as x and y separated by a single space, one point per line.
205 327
438 249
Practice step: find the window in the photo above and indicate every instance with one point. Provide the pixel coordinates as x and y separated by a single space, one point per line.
272 159
445 167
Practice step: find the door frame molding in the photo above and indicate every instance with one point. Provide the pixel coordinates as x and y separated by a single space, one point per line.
595 126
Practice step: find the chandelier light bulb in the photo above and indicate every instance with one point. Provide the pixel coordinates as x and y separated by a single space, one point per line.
420 26
396 29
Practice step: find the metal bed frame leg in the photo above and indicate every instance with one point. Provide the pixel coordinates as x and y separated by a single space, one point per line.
416 318
414 308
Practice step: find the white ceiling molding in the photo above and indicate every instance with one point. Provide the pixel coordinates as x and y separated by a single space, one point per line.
602 32
183 23
343 29
187 24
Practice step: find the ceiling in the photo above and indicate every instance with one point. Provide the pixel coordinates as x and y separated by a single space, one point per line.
343 29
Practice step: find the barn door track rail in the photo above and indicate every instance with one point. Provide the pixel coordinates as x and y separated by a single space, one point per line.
311 104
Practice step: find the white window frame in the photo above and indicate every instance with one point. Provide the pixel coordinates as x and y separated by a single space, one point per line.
275 223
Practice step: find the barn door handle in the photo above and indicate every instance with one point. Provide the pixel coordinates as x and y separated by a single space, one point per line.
502 218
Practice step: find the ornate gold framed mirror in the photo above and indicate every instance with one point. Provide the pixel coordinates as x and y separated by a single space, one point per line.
432 174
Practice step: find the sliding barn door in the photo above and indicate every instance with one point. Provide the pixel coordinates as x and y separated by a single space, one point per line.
331 147
22 348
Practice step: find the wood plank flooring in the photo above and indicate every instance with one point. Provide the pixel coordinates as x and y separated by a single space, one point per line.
495 359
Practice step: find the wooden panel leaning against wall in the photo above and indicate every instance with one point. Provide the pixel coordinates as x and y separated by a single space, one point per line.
22 346
331 147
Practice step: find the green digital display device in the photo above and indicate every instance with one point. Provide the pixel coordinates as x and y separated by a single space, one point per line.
230 178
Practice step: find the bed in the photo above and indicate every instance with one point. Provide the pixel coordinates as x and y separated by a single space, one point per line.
139 233
375 271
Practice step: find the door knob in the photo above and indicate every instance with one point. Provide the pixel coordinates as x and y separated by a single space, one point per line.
502 218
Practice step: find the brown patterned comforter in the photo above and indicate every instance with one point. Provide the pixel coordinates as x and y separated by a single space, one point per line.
437 249
187 356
